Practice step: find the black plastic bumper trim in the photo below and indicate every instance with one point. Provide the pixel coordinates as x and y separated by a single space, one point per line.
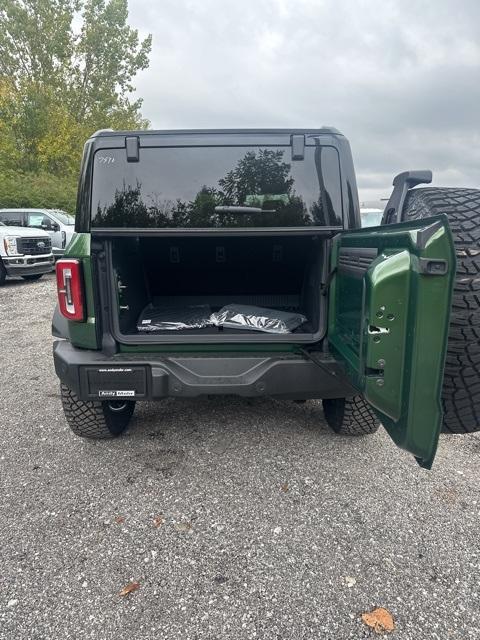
180 375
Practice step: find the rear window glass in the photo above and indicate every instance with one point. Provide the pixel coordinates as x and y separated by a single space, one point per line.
201 187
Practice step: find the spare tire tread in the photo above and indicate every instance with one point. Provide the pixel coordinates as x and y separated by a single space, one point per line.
461 392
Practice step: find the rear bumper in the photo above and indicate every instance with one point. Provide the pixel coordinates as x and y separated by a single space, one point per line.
28 265
94 376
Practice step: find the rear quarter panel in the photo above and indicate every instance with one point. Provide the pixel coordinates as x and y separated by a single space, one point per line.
84 334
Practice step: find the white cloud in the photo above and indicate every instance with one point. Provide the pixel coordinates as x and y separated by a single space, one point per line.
401 80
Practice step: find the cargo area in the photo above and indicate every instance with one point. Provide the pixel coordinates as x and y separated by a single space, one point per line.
281 273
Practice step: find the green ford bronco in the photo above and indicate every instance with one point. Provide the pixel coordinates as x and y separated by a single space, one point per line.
233 262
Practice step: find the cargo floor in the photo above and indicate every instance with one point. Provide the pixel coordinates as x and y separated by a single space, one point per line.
275 302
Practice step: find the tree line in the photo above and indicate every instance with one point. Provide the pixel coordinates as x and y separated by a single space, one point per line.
66 69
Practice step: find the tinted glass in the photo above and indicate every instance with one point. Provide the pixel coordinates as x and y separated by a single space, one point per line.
216 187
12 218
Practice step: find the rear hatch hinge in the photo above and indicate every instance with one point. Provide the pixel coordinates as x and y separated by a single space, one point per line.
325 286
298 147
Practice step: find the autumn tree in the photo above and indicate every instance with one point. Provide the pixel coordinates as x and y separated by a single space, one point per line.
66 69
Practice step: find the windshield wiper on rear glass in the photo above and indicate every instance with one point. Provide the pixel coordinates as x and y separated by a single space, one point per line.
241 209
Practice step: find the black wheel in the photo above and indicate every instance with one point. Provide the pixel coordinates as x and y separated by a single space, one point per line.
33 276
3 273
461 383
350 416
96 419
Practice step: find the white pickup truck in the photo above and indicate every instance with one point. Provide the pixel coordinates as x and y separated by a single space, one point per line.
24 252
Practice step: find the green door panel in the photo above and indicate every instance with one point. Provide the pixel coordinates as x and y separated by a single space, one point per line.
389 312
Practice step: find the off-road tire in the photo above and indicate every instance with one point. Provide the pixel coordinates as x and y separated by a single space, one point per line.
350 416
33 276
3 273
94 419
461 384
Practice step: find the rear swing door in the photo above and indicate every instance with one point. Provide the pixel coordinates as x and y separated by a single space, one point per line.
389 310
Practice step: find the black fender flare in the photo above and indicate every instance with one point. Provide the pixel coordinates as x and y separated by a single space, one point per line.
60 325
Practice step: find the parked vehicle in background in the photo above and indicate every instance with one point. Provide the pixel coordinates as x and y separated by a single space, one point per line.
233 262
371 217
58 224
24 252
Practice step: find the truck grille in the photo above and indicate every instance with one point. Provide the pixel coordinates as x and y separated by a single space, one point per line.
34 246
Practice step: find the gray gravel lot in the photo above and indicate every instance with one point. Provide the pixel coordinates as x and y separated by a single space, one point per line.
269 526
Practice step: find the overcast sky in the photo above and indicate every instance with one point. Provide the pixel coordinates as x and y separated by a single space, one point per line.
401 79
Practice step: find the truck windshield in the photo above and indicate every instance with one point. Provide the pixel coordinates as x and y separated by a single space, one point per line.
199 187
64 218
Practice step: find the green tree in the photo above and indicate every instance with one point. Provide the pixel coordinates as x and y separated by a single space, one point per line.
263 179
66 69
261 173
107 57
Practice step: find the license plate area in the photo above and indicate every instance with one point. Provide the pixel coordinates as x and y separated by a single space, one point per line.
114 383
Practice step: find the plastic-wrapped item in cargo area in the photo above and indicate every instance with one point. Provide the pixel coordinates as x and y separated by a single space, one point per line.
241 316
174 318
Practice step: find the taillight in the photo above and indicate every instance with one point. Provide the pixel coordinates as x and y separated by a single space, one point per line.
70 289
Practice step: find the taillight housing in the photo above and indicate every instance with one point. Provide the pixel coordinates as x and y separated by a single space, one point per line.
71 300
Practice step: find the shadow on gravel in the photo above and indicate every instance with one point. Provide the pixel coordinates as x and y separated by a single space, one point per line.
181 437
228 414
18 282
11 283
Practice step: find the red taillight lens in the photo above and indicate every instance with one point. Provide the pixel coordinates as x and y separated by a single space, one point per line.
70 289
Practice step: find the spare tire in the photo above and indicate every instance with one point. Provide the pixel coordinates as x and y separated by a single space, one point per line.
461 384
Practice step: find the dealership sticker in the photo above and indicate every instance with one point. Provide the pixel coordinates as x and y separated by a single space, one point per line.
116 394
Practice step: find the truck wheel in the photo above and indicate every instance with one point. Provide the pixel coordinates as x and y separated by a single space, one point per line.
350 416
95 419
33 276
461 383
3 273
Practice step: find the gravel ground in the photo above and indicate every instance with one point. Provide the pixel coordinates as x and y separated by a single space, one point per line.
238 518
